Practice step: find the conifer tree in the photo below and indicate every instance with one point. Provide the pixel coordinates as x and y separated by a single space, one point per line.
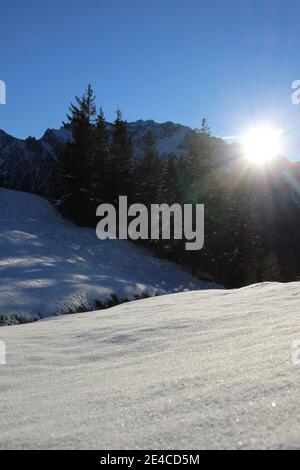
100 161
171 185
2 179
148 172
205 129
119 174
198 161
73 182
271 268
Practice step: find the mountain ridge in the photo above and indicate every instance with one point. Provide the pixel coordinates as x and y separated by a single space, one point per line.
28 164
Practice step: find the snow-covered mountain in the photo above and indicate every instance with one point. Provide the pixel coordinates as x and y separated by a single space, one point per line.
49 266
196 370
28 164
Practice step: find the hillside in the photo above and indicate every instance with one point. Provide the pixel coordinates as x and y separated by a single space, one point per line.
196 370
49 266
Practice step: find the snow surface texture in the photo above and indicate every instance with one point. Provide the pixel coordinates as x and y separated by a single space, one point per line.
49 266
204 369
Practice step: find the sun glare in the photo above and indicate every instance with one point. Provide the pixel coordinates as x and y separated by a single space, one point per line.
262 144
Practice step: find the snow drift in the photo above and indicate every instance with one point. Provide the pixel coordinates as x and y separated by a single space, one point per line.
49 266
196 370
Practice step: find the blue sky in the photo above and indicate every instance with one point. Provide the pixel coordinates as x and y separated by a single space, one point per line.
177 60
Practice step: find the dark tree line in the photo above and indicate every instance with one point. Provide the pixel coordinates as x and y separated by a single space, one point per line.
247 216
95 167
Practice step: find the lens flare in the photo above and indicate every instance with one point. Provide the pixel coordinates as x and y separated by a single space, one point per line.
262 144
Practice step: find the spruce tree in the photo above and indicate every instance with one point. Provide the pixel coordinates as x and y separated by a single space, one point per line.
100 161
2 179
197 164
171 186
74 179
119 173
148 172
271 269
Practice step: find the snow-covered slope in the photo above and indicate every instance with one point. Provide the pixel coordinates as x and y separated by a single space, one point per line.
205 369
28 164
49 266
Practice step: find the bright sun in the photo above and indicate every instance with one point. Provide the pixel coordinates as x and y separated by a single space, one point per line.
262 144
